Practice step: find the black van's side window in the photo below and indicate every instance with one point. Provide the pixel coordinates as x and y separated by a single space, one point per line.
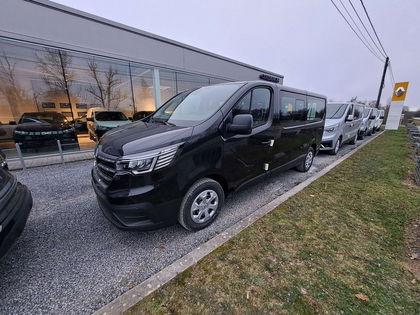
260 106
316 109
286 107
242 107
292 107
256 103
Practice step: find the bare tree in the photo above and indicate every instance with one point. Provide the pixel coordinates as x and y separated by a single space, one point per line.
55 67
105 87
9 85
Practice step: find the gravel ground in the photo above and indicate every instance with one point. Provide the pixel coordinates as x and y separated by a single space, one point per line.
71 260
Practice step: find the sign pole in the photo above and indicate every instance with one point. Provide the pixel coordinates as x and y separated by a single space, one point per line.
382 82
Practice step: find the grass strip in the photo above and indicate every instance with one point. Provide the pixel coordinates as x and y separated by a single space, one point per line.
337 246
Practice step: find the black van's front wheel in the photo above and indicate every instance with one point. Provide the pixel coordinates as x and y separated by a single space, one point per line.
201 204
306 163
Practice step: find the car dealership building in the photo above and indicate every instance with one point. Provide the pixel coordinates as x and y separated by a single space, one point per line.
57 59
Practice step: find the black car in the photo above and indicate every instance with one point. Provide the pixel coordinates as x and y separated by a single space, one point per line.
181 162
141 115
15 205
43 129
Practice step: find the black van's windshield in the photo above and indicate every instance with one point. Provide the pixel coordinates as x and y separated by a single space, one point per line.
110 116
335 111
191 107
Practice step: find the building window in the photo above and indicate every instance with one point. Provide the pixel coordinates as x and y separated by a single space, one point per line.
142 80
168 85
65 105
191 81
48 105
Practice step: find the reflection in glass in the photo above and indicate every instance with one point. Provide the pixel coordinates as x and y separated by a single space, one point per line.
38 79
142 78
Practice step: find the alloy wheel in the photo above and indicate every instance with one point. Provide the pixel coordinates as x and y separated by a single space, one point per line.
204 206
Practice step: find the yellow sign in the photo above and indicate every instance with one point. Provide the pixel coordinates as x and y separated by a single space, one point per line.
400 91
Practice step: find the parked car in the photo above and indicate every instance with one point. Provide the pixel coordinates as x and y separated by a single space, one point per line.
3 162
181 162
375 119
15 205
379 120
141 115
341 126
365 128
80 124
44 128
100 121
7 131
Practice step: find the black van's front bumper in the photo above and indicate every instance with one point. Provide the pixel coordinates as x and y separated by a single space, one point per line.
17 206
138 208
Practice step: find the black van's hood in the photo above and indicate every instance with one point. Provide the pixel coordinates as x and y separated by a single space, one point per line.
140 137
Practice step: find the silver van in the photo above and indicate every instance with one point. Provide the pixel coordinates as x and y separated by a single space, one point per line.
341 126
366 125
374 117
380 119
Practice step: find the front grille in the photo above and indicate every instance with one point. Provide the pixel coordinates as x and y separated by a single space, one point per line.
165 157
105 167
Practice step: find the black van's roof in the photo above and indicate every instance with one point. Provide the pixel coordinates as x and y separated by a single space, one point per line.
282 87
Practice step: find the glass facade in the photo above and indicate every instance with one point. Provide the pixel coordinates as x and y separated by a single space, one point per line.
36 78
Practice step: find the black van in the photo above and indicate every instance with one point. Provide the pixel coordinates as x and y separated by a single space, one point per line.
180 162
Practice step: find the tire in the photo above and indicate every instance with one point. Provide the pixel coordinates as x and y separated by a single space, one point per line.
193 217
336 148
362 135
354 140
306 163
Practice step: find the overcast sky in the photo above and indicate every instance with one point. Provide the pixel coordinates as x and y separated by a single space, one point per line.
307 40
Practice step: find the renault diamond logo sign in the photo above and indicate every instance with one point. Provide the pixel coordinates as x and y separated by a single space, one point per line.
400 91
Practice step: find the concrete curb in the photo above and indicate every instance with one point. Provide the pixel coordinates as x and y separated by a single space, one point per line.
131 297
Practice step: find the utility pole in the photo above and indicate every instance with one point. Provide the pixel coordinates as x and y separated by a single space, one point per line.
382 82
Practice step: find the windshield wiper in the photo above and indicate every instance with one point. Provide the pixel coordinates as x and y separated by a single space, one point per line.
165 122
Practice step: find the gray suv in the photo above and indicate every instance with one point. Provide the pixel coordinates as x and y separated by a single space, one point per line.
341 126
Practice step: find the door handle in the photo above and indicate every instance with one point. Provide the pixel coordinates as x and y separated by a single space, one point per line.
270 143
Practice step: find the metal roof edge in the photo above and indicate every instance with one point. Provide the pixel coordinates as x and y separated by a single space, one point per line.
98 19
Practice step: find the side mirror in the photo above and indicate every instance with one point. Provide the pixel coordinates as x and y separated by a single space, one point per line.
130 118
89 119
241 124
350 118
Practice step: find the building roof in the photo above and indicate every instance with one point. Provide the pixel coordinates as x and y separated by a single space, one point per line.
123 27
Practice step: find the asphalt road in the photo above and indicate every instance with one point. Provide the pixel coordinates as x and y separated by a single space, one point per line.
71 260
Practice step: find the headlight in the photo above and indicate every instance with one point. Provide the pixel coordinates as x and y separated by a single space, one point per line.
18 132
331 129
148 161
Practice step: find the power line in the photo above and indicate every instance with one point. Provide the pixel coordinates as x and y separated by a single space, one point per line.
360 31
361 21
371 24
355 31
